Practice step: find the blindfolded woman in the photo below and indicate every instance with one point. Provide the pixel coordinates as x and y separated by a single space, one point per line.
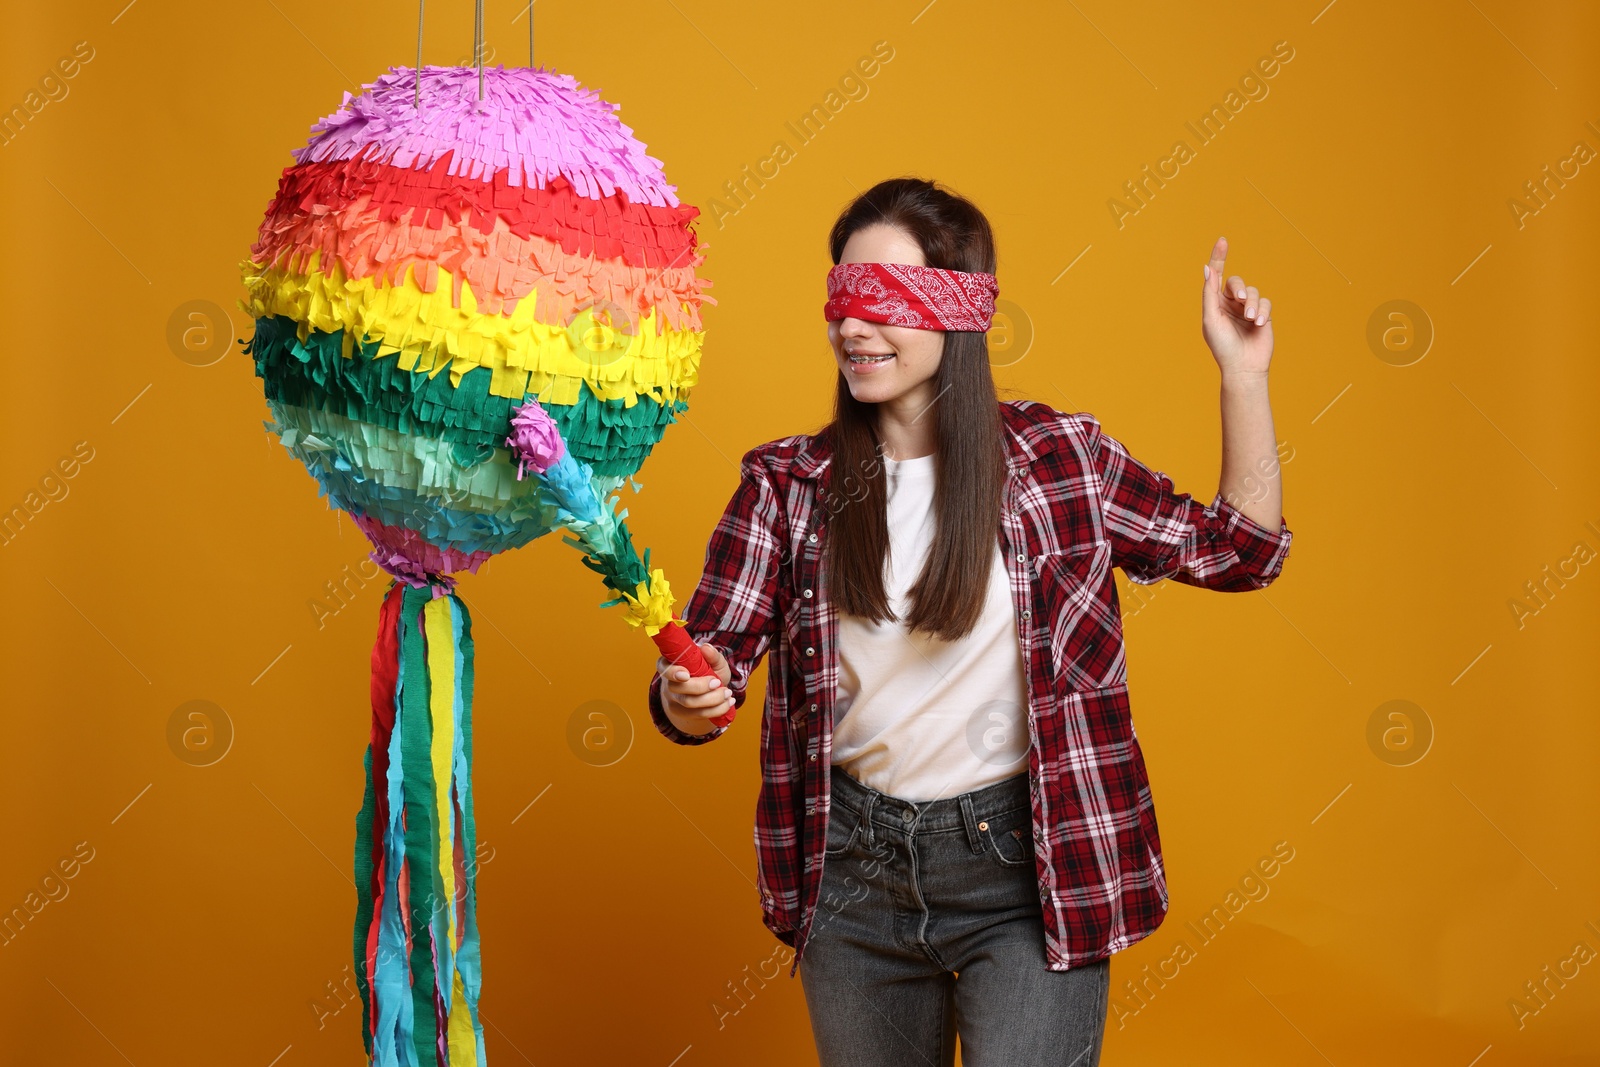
955 829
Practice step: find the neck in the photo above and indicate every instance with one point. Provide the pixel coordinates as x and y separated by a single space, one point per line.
908 425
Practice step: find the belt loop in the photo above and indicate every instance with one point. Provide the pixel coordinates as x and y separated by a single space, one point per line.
971 822
866 817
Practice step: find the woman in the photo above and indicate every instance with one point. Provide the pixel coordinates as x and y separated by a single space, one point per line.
955 829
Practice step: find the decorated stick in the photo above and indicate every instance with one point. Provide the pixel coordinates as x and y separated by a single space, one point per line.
535 441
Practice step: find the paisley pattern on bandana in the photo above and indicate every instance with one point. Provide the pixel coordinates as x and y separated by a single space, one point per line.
902 294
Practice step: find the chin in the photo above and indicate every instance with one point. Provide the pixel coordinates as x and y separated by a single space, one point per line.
874 392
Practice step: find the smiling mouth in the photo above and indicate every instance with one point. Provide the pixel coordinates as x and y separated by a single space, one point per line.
864 358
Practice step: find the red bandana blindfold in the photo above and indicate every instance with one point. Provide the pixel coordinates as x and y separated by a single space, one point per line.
923 298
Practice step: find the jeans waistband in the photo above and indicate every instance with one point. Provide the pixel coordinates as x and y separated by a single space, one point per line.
962 811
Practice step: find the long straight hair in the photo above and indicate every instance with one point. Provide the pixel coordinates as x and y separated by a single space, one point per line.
970 461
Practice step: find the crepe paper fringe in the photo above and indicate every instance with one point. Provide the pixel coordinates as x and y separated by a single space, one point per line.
572 486
650 604
313 372
535 440
432 333
405 461
613 437
609 436
596 527
502 270
417 958
567 495
571 497
406 556
351 201
435 518
446 504
536 123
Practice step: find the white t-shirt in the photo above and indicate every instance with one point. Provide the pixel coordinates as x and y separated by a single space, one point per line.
915 716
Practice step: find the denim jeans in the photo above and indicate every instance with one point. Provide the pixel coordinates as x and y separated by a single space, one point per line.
929 926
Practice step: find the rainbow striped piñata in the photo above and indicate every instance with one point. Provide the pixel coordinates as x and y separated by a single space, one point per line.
474 319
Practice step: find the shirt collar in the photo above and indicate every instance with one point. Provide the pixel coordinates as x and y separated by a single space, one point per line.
1029 432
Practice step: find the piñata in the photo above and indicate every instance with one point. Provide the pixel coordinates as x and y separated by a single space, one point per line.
476 312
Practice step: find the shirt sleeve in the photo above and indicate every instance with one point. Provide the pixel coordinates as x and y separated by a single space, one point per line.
1157 533
735 604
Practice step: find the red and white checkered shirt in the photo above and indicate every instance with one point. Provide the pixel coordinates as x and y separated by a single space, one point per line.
1076 505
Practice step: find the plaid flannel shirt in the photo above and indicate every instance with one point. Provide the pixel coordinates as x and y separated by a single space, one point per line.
1076 505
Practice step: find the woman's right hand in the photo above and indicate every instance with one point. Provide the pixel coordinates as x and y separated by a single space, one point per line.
692 702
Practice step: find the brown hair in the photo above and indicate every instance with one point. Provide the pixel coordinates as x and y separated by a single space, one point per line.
948 596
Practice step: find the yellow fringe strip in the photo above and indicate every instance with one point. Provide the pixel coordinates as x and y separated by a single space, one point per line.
619 360
650 605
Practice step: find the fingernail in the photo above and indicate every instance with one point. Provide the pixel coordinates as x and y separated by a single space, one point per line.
1207 269
715 682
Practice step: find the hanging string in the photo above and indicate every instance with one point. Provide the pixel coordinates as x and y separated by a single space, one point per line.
477 44
416 101
530 33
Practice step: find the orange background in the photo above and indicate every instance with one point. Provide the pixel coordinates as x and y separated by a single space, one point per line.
212 923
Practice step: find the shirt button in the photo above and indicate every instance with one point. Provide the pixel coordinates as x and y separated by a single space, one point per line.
810 651
1027 614
806 594
812 538
1021 558
813 707
813 757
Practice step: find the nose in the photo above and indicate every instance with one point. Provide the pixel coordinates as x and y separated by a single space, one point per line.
854 327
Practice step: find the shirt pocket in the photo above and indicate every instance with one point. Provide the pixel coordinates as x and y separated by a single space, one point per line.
1080 603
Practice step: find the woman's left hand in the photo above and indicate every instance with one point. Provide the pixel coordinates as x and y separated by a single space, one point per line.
1235 319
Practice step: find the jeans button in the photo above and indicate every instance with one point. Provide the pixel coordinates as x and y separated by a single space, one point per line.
983 826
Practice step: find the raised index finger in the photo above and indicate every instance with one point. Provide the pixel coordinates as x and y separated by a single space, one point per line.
1219 257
